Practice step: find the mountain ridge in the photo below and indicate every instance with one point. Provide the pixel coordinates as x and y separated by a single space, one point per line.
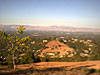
51 28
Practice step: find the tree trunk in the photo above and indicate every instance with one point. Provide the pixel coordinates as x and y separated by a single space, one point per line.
14 66
13 57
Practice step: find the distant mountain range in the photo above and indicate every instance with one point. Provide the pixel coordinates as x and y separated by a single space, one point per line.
51 28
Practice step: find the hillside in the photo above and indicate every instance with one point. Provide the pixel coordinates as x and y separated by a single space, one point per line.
57 49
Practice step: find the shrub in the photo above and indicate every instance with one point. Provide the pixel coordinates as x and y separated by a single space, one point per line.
59 45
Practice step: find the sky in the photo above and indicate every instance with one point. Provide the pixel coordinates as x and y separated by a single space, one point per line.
76 13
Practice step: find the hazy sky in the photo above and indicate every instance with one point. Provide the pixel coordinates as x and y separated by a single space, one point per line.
79 13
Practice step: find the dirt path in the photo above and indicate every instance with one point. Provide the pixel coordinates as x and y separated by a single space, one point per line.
43 65
49 67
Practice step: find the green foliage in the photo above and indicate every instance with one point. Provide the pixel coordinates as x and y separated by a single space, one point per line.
92 70
58 59
78 45
9 61
57 53
65 59
15 43
18 43
0 62
36 57
43 59
59 45
20 30
95 55
79 58
45 47
27 58
52 48
55 46
61 40
3 43
38 46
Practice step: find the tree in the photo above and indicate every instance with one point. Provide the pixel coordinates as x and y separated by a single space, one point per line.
15 43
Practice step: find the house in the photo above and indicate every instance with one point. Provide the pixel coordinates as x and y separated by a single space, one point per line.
45 41
89 40
61 37
86 51
83 54
65 41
